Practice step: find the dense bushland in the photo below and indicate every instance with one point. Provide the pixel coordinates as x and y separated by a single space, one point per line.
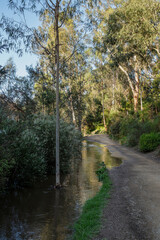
140 129
149 142
134 130
27 149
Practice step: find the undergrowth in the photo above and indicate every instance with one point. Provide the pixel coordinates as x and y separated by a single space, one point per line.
135 131
89 222
149 142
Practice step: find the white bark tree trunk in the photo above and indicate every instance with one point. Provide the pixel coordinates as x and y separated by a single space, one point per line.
104 120
57 92
134 87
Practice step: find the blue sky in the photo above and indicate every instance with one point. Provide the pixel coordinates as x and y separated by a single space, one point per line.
26 59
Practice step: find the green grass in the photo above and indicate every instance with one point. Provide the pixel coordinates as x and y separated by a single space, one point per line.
89 222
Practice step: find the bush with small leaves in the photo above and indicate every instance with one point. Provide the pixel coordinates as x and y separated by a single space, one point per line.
28 149
114 130
149 142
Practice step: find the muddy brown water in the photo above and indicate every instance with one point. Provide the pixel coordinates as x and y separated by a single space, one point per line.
42 213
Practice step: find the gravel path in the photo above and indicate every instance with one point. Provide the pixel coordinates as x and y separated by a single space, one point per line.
133 211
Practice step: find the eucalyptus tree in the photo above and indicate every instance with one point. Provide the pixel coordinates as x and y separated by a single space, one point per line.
58 12
57 52
131 33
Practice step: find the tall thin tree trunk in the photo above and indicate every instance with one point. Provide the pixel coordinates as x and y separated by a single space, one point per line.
80 105
71 100
113 93
57 93
136 92
104 120
135 99
141 93
141 101
72 109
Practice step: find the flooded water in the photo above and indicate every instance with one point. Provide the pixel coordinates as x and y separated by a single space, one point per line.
42 213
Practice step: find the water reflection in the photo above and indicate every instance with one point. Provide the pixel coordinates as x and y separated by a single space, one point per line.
42 213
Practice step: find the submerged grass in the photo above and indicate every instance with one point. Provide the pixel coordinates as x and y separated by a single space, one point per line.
89 222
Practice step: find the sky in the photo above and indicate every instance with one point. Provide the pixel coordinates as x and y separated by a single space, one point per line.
26 59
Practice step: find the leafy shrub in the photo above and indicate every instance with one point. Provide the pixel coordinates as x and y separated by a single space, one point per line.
132 128
144 115
21 157
156 124
133 137
100 130
128 128
128 123
28 149
70 141
29 154
149 142
115 129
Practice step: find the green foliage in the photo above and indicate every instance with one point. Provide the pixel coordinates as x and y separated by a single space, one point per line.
149 142
22 158
28 152
94 118
100 130
89 222
101 172
114 120
132 29
132 129
128 129
156 124
70 141
115 129
27 149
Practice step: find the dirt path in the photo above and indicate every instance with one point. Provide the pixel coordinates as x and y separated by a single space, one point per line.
133 211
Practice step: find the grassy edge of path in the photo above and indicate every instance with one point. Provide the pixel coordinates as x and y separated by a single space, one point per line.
89 222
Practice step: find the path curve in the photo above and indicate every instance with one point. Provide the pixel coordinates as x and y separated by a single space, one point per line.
133 211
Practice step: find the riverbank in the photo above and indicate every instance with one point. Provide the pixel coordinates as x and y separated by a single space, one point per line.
133 211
